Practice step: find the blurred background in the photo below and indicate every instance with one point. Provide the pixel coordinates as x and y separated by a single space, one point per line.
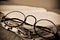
53 5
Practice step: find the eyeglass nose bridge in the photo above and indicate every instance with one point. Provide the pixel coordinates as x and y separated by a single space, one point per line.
30 16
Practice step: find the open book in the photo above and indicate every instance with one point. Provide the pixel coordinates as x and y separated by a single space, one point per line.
38 13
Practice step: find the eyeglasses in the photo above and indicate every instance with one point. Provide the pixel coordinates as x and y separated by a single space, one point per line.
15 24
